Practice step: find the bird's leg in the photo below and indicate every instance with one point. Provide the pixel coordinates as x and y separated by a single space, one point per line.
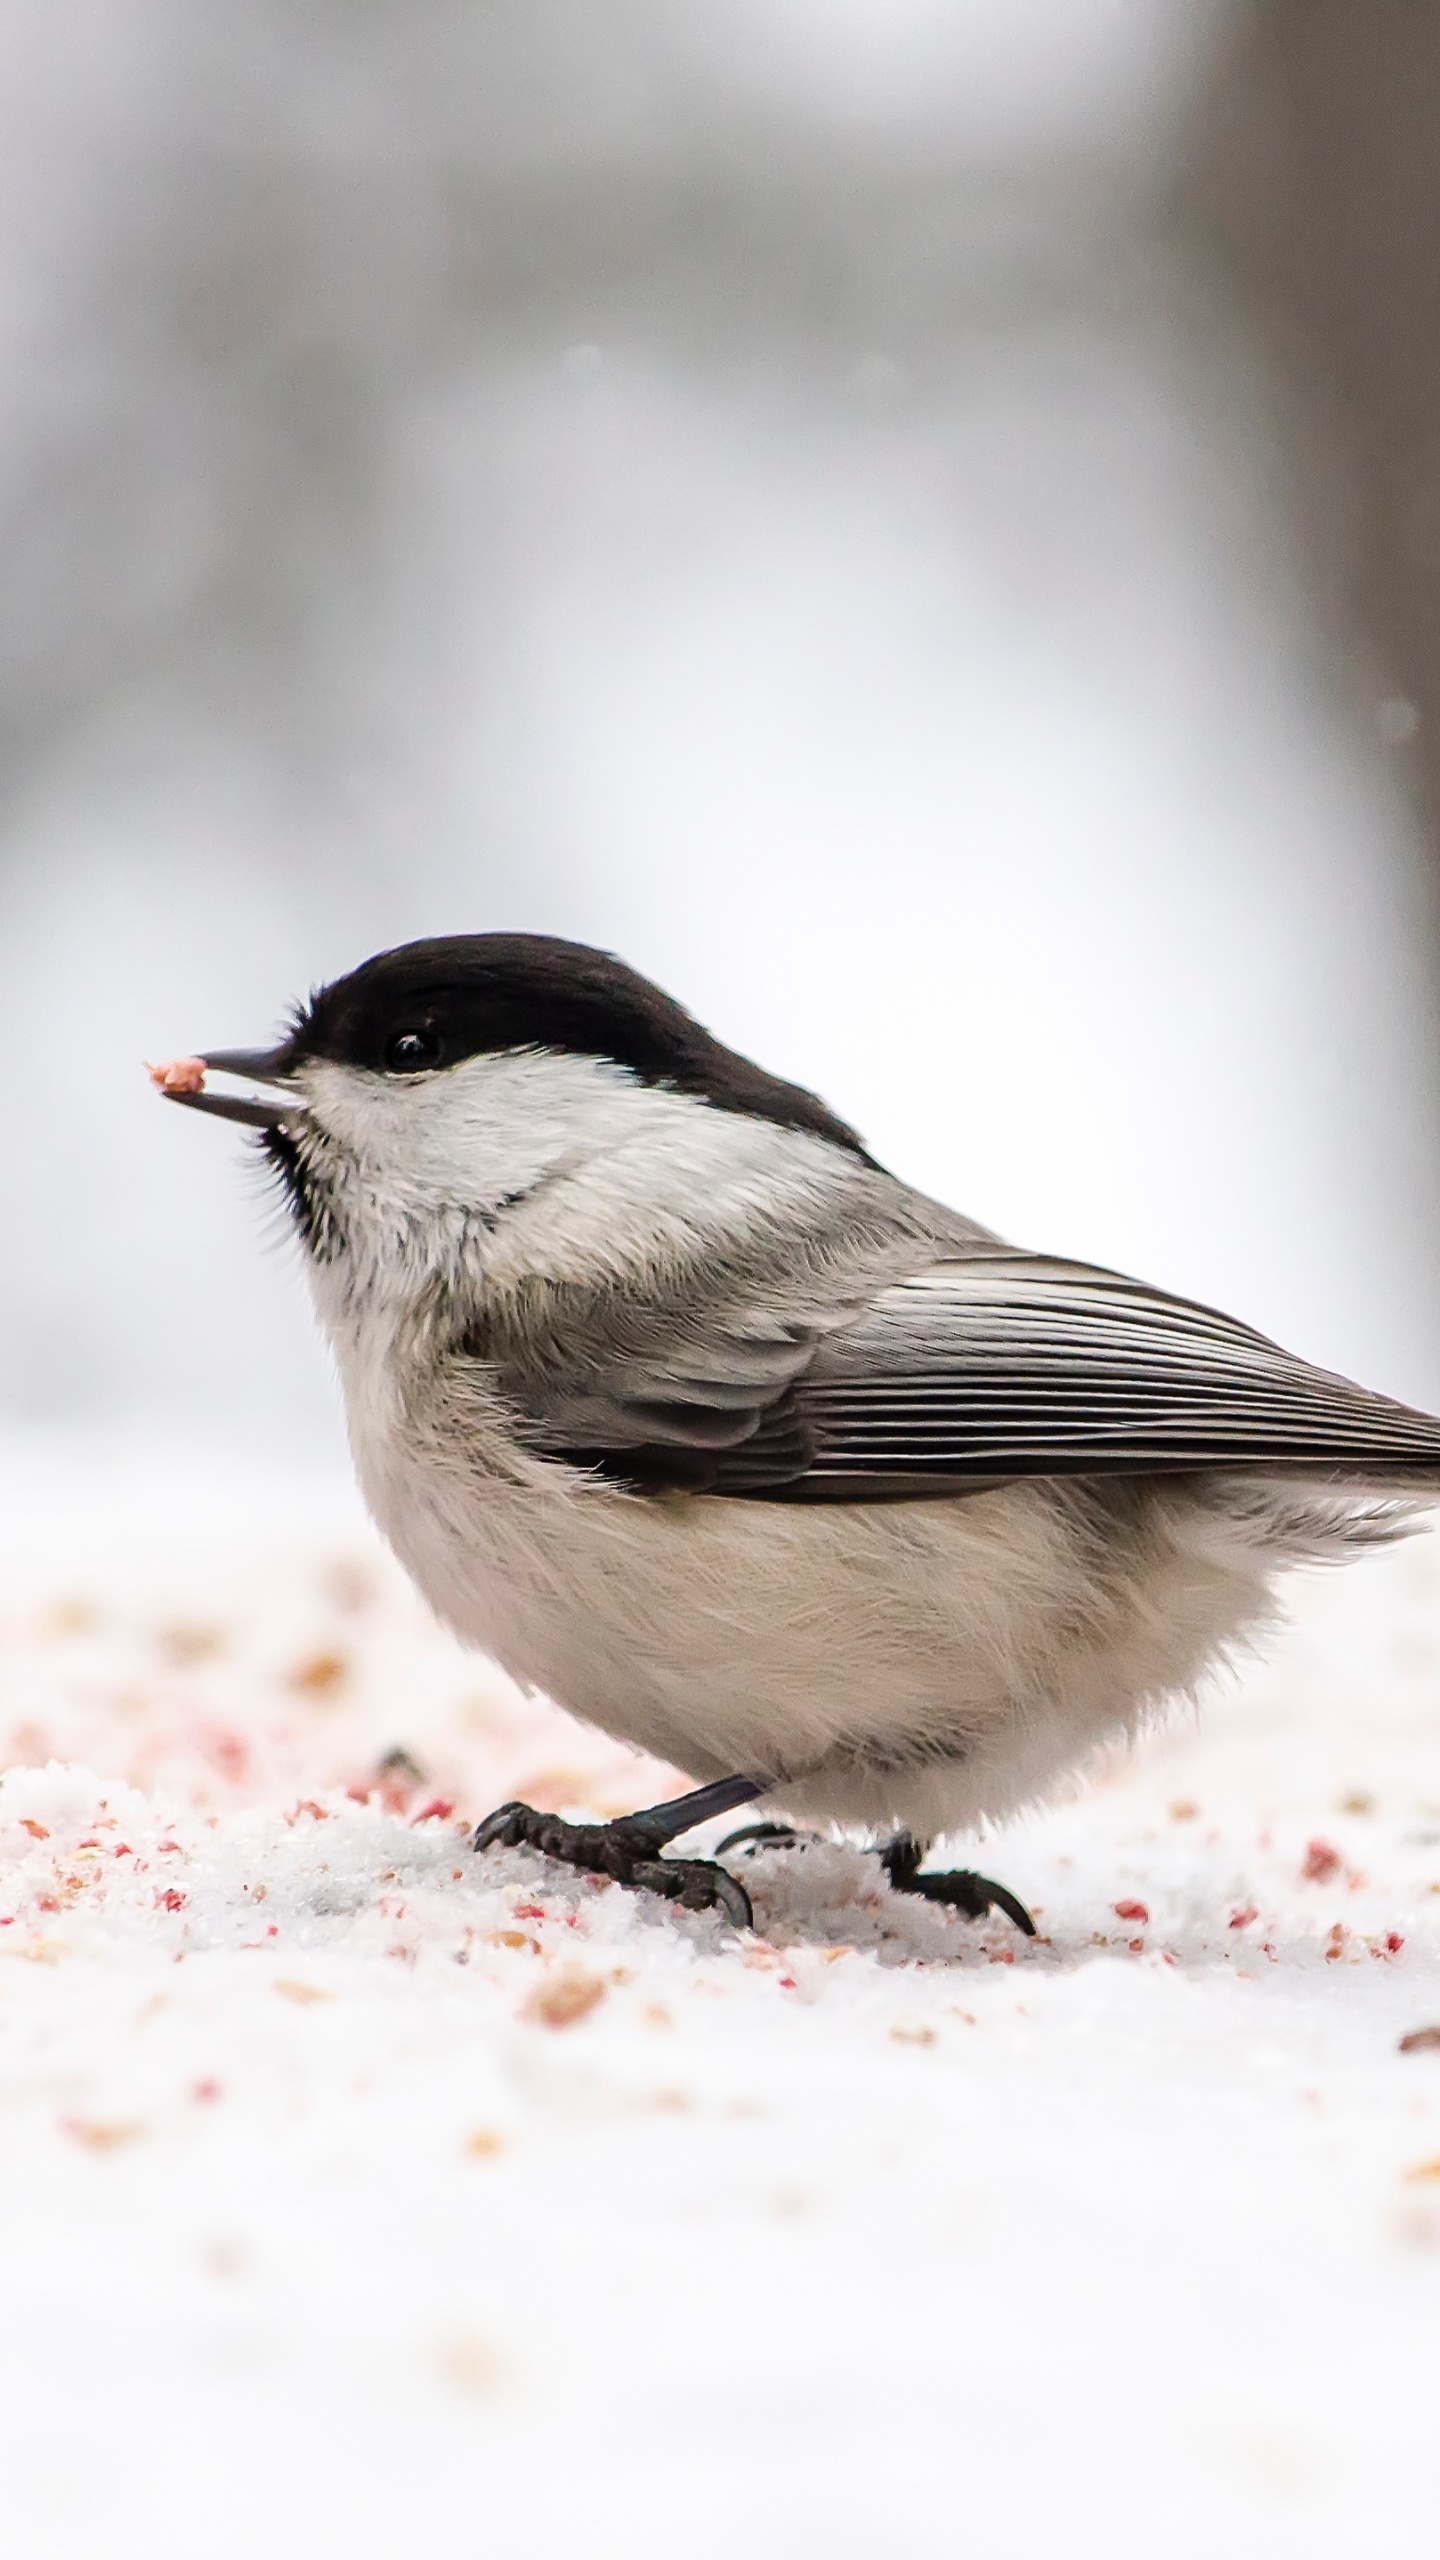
962 1890
628 1850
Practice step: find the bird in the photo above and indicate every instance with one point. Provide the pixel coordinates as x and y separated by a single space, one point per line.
678 1404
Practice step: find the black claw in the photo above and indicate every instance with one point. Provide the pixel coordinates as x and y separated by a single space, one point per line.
624 1851
505 1825
697 1884
765 1835
960 1888
1013 1908
974 1895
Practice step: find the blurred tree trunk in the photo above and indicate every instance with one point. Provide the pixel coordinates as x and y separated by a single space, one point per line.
1313 174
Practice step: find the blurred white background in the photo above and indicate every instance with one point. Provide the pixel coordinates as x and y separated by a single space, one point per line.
769 489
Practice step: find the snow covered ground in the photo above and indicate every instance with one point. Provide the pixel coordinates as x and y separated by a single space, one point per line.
362 2196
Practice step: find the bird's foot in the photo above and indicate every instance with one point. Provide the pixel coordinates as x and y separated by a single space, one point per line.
960 1888
767 1835
628 1850
900 1858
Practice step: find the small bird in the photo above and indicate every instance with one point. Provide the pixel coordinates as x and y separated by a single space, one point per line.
675 1402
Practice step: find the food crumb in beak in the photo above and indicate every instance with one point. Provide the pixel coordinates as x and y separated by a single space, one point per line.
182 1075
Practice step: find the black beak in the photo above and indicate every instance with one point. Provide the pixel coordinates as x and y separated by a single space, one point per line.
256 1066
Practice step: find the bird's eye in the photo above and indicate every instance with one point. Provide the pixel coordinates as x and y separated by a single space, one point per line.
407 1053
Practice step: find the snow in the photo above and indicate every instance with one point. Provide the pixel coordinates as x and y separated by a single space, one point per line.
359 2194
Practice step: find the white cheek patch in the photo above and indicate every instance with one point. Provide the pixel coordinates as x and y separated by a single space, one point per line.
486 1134
532 1167
478 1133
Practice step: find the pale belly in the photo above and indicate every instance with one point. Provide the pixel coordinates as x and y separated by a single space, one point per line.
927 1663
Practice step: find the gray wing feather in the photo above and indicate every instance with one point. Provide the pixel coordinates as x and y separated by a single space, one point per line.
976 1370
686 1394
1013 1364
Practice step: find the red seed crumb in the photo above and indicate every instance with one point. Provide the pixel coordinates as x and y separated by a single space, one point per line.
439 1809
1393 1942
1321 1862
170 1900
529 1910
1242 1919
1130 1911
178 1075
36 1830
1137 1946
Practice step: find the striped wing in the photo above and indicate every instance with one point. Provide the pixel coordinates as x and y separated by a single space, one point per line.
972 1372
1011 1365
